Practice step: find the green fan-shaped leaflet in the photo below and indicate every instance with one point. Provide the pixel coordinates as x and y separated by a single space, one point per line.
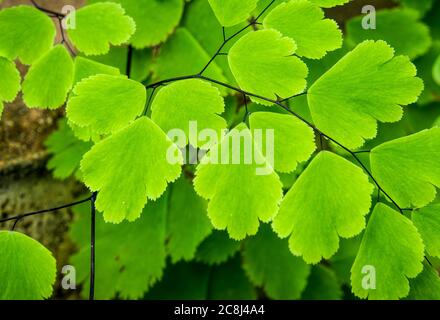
155 19
329 200
263 63
427 221
67 151
182 55
413 38
294 141
408 168
84 68
106 103
99 25
129 167
436 70
187 222
217 248
9 82
393 247
232 12
329 3
304 22
269 264
367 85
27 268
19 40
177 105
241 186
49 80
130 256
426 286
323 284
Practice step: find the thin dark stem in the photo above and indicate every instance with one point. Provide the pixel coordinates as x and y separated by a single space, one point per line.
150 98
129 60
285 107
92 246
25 215
226 40
247 113
63 37
362 151
50 12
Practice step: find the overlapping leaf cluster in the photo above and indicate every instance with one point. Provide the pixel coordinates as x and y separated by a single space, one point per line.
303 229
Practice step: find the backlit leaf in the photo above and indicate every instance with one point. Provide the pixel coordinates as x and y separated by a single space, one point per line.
329 200
106 103
189 101
427 221
49 80
304 22
241 186
391 248
129 167
9 82
372 85
232 12
408 168
27 268
263 64
19 40
99 25
294 141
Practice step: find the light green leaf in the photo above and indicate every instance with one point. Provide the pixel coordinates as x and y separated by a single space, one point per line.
372 85
393 247
329 200
9 82
129 167
329 3
269 264
67 151
232 12
304 22
187 223
427 221
130 256
49 80
263 64
106 103
99 25
241 186
27 268
413 38
408 168
155 19
84 68
294 141
194 101
426 286
19 40
217 248
436 70
323 285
